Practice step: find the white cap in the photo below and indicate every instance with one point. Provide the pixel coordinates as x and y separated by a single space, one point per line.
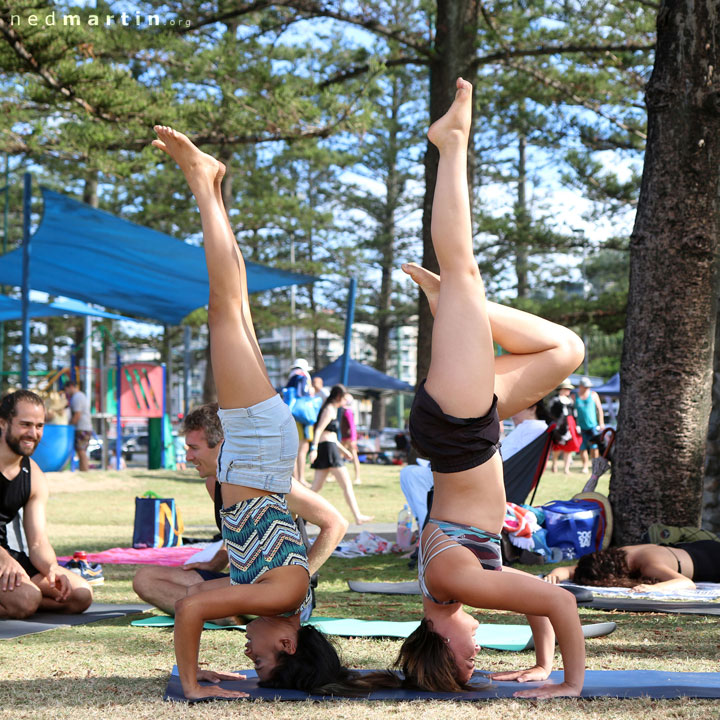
302 364
585 381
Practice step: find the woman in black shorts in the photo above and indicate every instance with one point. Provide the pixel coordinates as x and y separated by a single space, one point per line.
326 452
455 422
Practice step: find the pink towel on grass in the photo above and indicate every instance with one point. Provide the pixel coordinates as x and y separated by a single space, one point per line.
144 556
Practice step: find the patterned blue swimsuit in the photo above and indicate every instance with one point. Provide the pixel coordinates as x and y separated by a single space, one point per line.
484 545
260 535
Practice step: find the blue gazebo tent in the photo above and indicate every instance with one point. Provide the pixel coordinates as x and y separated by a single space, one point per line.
611 387
362 377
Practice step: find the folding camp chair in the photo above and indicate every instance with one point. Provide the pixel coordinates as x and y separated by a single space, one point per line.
522 471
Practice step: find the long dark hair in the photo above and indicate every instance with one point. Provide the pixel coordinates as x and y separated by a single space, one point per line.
425 660
608 568
542 412
315 668
426 663
336 393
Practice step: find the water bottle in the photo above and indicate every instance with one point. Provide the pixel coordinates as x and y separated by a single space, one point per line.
404 528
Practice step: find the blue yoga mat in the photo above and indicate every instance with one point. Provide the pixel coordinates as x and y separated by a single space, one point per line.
598 683
514 638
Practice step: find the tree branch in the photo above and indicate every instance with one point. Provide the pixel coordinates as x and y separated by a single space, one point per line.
568 93
357 70
17 45
310 9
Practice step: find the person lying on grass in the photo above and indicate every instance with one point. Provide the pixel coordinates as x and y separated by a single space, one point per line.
645 567
454 421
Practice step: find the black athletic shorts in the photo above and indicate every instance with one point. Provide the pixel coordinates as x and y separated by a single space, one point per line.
705 555
452 444
24 561
328 456
211 574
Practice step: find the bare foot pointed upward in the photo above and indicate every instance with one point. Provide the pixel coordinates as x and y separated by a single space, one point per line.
454 125
197 166
428 281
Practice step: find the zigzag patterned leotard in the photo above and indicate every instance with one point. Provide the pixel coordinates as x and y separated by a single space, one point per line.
260 535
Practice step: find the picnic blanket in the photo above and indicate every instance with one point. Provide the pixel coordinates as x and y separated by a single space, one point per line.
143 556
365 543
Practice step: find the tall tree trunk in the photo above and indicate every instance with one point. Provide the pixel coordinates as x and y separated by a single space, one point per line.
209 391
666 366
387 239
711 490
522 223
454 51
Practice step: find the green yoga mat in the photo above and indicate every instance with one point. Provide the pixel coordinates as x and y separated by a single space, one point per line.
514 638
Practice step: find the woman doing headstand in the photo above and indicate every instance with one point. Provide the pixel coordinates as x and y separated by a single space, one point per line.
454 422
268 562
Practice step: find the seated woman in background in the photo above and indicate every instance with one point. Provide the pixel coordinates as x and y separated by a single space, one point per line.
646 567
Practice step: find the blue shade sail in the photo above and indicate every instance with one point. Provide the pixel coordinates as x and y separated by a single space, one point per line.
81 252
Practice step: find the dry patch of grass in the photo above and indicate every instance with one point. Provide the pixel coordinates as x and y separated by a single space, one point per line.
111 670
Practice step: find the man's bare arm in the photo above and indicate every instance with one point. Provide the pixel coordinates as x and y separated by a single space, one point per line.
40 550
313 508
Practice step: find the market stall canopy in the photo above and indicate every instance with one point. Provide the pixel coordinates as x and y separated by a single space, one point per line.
11 309
611 387
81 252
362 377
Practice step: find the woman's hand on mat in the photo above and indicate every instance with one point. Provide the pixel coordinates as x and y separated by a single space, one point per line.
197 692
210 691
550 690
533 674
642 588
214 676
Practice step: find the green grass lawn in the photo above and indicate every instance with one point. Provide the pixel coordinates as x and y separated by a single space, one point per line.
110 670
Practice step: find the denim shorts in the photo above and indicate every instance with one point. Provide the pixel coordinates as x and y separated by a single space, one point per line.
260 446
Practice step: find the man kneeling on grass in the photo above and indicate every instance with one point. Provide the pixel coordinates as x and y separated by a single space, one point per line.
29 581
164 586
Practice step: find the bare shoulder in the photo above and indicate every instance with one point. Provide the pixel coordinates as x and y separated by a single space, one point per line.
38 481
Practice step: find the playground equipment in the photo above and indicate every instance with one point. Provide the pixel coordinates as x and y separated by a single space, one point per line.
141 389
55 448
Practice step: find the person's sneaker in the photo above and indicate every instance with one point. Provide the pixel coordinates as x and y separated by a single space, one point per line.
92 573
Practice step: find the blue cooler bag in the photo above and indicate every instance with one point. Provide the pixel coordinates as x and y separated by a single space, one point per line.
577 527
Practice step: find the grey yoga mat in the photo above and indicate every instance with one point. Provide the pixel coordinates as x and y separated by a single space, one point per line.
49 621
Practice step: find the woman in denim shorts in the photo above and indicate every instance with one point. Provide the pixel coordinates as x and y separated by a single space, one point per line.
268 563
